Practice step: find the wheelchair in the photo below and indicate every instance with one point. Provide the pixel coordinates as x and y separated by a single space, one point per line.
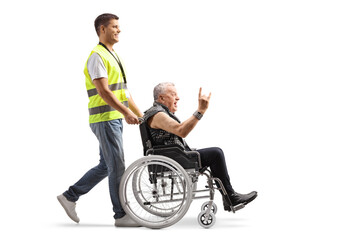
156 190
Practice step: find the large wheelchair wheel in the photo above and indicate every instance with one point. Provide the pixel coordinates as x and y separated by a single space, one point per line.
155 191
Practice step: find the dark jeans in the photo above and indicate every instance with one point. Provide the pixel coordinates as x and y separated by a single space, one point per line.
215 159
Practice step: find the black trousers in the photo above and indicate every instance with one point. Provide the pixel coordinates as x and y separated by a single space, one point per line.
215 159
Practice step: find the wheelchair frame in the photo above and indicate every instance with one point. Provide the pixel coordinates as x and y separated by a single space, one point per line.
156 190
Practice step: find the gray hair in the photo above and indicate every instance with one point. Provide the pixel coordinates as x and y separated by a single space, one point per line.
161 88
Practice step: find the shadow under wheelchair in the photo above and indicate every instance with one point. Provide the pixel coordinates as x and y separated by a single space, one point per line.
188 222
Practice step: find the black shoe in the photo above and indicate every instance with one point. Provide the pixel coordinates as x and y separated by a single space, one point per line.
238 200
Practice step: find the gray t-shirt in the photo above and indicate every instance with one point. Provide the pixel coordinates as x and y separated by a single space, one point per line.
96 67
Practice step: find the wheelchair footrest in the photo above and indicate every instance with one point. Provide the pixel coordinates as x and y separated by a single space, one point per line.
238 207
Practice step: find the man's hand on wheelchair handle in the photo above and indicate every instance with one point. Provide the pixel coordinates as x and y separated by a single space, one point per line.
203 102
131 118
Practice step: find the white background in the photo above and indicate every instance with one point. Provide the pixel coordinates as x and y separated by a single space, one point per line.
284 77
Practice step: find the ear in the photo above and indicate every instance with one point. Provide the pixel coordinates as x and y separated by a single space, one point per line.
102 28
160 99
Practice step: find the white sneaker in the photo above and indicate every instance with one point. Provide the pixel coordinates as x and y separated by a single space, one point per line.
126 221
69 208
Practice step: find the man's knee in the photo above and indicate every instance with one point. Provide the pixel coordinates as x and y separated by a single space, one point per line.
218 152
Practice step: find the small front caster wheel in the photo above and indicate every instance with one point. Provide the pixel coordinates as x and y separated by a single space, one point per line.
206 222
206 205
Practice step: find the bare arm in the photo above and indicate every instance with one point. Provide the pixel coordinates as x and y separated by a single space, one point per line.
163 121
108 96
134 108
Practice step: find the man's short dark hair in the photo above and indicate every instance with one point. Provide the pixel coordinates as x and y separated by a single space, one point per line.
104 20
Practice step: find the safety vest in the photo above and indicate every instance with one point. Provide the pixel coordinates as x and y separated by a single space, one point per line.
99 110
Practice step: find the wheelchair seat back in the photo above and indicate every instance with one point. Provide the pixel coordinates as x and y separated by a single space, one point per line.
187 159
145 137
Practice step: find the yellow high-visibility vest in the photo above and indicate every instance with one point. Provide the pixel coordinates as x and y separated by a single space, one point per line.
99 110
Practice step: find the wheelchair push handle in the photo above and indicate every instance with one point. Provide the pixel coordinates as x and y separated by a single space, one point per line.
141 120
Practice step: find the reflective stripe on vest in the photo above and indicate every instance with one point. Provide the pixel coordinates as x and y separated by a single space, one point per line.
104 109
112 87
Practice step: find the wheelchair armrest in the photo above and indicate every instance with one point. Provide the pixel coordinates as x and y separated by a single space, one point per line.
187 159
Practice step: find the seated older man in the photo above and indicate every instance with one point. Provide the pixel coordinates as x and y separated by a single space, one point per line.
166 129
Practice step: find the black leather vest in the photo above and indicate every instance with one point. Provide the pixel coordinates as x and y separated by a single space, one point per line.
159 136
